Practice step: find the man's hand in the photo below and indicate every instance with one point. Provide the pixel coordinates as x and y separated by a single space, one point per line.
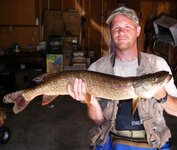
161 93
80 94
170 106
79 91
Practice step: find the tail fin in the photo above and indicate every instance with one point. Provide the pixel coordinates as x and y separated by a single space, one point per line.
19 102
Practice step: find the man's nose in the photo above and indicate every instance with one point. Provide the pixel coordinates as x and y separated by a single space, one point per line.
121 30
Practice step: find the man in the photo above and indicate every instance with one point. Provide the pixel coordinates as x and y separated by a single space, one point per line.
116 128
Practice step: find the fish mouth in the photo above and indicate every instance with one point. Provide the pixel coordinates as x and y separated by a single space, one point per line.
165 78
168 78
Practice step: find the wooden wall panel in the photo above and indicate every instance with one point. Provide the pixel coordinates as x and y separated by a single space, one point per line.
55 5
50 4
95 36
86 7
17 12
26 37
69 5
111 4
107 8
146 12
151 8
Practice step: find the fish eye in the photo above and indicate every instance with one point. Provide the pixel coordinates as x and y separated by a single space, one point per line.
154 78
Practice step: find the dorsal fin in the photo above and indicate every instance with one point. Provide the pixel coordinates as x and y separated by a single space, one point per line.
43 77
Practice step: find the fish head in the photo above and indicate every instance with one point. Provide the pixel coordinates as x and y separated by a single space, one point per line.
146 86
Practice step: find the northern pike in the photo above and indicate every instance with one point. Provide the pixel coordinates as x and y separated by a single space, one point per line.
97 84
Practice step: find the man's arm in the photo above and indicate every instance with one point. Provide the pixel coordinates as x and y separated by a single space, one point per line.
93 107
170 105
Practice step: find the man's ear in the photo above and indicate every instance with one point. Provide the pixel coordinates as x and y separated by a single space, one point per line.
138 31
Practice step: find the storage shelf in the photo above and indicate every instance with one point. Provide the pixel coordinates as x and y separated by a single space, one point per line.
18 25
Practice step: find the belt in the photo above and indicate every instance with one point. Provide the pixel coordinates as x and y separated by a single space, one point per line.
130 135
131 143
141 134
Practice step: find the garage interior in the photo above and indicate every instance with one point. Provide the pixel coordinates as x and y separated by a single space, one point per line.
40 36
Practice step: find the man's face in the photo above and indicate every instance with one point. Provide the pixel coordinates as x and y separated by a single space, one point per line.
124 32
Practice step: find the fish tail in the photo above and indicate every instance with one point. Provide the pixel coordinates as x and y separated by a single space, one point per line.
19 101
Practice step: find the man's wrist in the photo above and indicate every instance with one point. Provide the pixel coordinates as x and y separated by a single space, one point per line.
162 100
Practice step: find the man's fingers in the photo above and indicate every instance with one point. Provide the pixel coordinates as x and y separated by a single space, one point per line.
70 91
81 89
75 88
78 91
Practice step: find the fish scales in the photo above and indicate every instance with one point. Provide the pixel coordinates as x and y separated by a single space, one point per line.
97 84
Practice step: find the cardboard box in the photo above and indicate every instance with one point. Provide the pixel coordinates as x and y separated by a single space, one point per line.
54 63
72 23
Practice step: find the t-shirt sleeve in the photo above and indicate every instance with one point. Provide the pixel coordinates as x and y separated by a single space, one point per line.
170 86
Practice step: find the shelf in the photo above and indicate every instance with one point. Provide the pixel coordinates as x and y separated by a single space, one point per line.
33 61
18 25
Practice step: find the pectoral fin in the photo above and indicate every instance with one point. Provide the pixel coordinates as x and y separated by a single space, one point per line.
134 104
87 99
47 99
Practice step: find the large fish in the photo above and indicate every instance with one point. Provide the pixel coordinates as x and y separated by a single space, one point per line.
97 84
